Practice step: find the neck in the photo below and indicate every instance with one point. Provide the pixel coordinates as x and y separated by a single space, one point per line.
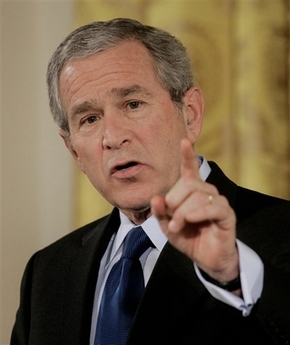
138 217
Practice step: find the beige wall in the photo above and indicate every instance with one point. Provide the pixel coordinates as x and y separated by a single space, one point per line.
37 171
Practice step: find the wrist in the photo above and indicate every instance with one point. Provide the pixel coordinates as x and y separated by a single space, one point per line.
232 285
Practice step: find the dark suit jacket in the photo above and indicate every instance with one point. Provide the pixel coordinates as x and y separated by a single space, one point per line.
58 286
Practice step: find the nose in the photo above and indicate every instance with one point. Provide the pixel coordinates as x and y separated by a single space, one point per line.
115 132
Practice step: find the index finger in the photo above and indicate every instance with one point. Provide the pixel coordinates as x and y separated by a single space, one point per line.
189 162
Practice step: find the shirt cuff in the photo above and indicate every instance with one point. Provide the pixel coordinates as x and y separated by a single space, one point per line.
251 275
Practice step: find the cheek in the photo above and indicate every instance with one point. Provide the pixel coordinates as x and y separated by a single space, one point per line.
88 153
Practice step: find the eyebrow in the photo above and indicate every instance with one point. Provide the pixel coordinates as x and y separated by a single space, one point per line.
126 91
82 108
119 92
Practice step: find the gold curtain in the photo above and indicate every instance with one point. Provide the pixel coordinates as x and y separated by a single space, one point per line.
240 51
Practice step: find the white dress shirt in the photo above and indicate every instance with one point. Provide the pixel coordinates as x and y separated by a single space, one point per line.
251 266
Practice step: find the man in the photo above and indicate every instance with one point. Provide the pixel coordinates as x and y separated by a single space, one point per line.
218 264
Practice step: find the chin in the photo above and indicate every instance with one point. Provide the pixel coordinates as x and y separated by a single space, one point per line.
133 207
134 200
132 204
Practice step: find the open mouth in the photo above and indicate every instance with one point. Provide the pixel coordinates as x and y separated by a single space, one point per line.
125 166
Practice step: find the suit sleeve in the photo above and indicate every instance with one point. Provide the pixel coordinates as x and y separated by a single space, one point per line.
20 331
268 233
273 309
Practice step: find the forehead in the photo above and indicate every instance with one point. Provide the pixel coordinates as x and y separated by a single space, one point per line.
128 62
128 56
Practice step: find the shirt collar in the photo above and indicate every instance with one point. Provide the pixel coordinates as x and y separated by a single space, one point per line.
204 168
150 226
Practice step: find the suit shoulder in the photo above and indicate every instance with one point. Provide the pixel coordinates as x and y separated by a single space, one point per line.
252 202
246 202
77 237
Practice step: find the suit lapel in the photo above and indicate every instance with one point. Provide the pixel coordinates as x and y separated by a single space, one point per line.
224 185
171 295
80 282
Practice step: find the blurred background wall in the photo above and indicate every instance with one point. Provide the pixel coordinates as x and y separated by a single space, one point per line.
240 51
37 172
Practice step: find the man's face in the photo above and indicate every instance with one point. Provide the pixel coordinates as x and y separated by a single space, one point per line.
125 129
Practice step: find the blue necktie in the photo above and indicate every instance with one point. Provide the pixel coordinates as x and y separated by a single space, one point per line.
122 292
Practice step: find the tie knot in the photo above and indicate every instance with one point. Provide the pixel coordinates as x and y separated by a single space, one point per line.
136 242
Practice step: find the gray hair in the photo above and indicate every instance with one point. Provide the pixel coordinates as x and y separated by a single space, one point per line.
170 59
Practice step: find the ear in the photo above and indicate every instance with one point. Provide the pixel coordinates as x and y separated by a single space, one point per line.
71 149
194 109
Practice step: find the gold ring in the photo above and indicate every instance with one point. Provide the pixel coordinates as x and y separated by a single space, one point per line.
210 199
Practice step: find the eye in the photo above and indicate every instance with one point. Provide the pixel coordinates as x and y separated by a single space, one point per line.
90 119
134 105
